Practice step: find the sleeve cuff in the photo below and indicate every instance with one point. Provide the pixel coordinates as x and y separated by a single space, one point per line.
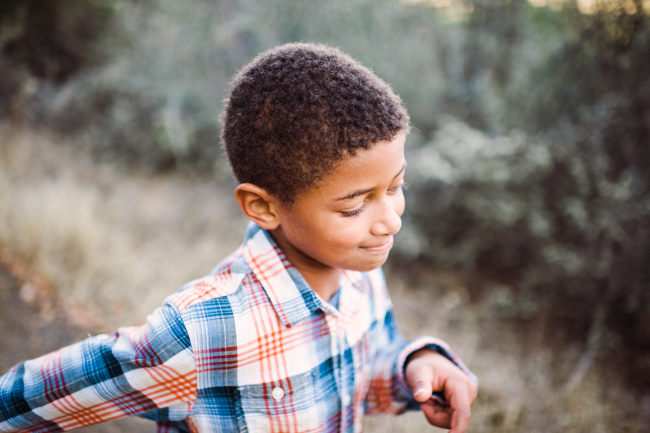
436 345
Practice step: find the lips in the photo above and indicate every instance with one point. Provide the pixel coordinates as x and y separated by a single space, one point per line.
380 248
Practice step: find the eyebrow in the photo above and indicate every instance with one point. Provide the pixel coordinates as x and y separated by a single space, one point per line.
364 191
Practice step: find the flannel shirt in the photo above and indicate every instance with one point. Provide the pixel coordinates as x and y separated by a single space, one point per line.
250 348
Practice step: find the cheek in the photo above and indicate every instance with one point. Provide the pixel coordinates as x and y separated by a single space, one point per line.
399 204
320 234
346 232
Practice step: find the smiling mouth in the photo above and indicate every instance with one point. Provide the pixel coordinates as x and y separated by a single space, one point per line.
380 248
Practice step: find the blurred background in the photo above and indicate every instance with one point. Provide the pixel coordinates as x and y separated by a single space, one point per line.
526 241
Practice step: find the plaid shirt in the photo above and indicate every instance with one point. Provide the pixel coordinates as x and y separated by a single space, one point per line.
251 347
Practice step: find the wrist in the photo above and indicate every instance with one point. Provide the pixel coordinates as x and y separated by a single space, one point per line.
424 352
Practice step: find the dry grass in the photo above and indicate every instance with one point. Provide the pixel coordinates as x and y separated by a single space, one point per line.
114 245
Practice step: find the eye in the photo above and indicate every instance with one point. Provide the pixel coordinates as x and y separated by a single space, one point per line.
355 212
404 186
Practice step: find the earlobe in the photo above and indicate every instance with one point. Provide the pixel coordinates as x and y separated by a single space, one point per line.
258 205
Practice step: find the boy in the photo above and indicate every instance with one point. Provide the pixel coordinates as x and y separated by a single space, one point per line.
294 331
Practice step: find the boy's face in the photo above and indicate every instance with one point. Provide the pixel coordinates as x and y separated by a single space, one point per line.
349 219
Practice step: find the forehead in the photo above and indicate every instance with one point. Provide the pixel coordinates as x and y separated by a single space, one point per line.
366 169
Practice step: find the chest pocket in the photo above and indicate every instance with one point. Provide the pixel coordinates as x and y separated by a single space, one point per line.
287 405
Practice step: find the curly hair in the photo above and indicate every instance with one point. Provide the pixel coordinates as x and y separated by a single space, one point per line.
297 110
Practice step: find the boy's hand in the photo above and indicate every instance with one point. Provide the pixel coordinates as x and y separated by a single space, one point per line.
428 371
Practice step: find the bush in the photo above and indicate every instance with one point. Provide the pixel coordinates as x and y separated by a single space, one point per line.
559 211
47 42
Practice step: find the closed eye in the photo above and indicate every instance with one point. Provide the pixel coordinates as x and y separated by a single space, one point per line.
355 212
404 186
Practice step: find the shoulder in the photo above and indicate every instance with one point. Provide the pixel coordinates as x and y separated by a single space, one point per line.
224 280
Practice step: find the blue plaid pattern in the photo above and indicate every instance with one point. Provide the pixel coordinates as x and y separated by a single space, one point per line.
250 347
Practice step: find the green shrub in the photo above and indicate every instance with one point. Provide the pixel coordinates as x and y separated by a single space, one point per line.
560 211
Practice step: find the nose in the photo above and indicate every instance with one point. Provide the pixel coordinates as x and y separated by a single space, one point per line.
388 221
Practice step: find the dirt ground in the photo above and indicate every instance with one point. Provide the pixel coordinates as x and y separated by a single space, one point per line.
32 329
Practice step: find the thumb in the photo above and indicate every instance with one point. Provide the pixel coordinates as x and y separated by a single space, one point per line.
420 382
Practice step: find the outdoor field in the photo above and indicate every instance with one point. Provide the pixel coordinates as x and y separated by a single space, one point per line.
526 239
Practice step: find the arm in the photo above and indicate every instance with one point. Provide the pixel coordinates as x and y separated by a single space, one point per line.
389 391
132 371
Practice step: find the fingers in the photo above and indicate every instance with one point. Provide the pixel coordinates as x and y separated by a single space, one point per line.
460 420
429 371
436 414
455 416
460 402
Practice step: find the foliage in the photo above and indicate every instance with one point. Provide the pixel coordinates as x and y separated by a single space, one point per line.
155 104
560 210
46 42
537 176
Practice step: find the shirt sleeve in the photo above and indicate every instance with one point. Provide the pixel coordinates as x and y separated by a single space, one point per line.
388 392
149 368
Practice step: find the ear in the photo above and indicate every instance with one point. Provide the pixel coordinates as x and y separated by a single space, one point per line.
258 205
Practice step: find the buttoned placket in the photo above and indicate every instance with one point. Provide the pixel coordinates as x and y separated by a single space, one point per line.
338 346
344 394
351 296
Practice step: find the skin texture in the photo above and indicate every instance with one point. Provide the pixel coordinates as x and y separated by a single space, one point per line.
347 222
323 232
427 371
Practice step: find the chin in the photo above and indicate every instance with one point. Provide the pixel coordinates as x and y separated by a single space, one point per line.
367 267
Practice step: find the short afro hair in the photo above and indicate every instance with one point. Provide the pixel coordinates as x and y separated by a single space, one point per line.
297 110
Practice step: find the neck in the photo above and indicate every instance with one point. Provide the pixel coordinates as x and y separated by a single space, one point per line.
323 279
325 284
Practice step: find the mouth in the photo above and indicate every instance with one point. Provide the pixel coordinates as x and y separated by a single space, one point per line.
380 248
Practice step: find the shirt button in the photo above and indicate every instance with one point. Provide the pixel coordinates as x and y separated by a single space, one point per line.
346 399
277 393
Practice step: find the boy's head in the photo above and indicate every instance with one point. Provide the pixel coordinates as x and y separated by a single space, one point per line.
317 142
297 110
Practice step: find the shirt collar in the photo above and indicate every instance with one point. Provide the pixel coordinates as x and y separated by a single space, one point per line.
290 294
288 291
